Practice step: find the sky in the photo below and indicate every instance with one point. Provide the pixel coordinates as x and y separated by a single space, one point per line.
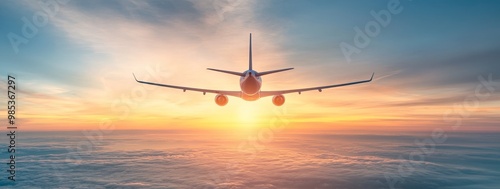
435 63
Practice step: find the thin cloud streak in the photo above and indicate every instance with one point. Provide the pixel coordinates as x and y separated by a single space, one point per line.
174 41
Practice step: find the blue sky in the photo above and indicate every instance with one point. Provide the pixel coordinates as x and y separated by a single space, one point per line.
430 55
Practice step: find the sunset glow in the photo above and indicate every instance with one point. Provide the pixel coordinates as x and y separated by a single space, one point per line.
86 75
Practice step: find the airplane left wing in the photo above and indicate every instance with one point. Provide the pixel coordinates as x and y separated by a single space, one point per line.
272 93
228 93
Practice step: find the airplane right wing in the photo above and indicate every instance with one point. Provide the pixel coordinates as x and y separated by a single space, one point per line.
228 93
273 93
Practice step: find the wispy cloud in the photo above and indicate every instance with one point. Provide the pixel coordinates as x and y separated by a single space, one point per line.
98 45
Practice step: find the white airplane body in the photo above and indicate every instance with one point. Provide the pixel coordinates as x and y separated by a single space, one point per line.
250 84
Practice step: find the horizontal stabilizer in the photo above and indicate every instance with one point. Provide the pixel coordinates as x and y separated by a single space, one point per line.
273 71
228 72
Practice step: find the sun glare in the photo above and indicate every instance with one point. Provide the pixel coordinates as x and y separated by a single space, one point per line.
248 113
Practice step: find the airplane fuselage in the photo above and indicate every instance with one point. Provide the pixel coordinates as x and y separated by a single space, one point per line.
250 85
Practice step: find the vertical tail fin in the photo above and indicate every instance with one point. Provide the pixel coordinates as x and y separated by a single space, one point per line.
250 54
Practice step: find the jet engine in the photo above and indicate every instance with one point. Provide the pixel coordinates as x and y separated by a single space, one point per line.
278 100
221 99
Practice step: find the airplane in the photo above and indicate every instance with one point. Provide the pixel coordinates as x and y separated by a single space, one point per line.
250 85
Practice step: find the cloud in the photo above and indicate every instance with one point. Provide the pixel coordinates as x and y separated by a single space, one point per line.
100 44
130 159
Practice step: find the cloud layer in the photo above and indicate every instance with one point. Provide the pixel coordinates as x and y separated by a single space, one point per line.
171 159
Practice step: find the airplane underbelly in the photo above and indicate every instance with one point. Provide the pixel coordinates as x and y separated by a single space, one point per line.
250 97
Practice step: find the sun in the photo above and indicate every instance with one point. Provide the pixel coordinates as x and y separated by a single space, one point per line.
248 113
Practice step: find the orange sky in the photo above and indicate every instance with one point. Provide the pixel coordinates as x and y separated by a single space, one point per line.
86 75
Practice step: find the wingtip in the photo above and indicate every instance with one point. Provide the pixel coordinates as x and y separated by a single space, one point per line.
135 77
372 76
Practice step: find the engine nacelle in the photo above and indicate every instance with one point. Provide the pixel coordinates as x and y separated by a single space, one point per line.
221 99
278 100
